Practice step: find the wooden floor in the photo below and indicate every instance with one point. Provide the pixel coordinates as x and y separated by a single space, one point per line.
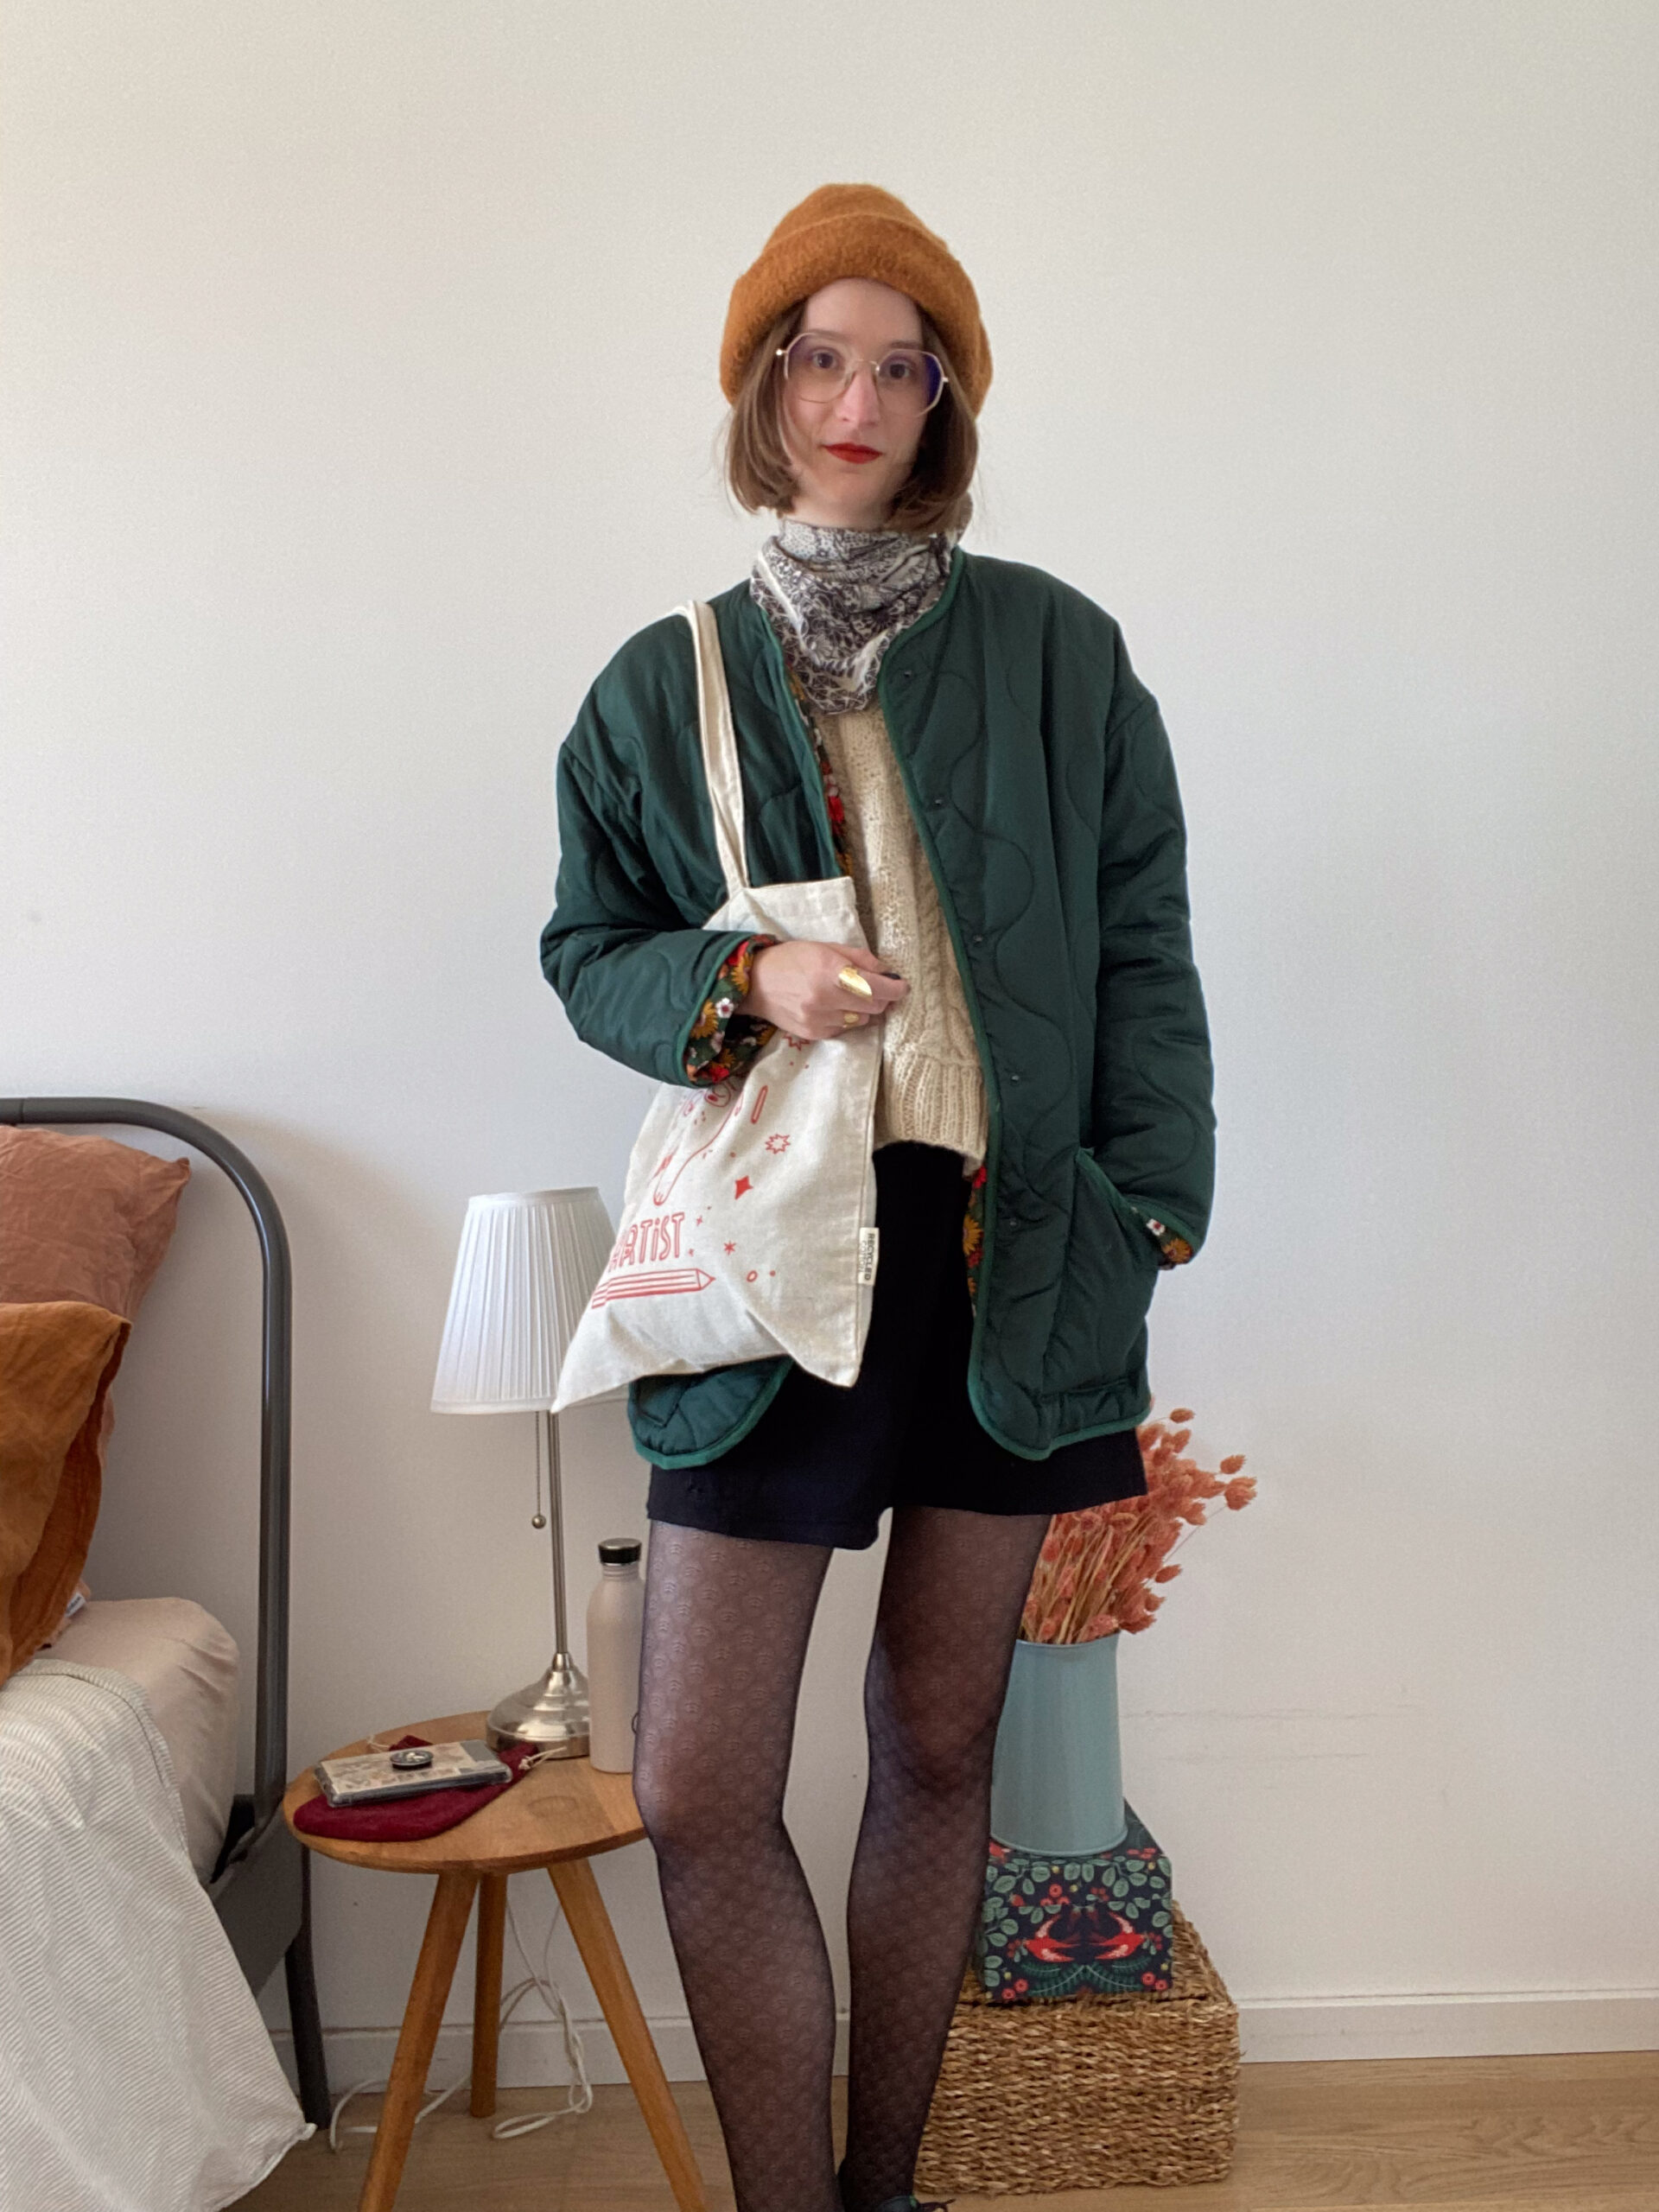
1574 2133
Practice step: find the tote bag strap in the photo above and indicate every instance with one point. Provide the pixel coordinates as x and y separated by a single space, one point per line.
719 744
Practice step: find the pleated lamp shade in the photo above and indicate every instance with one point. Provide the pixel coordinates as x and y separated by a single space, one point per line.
528 1263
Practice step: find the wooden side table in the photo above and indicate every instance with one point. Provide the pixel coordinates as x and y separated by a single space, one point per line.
560 1815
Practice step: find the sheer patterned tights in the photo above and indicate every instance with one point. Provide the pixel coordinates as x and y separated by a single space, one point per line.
727 1624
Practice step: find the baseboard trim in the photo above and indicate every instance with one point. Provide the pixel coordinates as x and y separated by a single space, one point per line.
1515 2024
1272 2030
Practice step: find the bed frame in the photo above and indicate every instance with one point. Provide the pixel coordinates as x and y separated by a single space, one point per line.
261 1886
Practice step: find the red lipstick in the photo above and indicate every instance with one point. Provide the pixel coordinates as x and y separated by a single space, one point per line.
853 452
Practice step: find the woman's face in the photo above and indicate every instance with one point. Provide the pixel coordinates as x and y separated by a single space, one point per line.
840 489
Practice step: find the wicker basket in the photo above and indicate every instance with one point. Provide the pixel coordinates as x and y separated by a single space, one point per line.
1088 2091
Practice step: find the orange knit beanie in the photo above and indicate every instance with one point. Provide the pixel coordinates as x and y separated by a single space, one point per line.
857 229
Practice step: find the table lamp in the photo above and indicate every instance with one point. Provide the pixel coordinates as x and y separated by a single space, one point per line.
527 1266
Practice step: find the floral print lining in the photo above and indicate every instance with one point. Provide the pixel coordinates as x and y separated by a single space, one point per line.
724 1039
1174 1251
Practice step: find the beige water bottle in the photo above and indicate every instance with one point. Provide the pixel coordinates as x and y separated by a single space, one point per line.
616 1614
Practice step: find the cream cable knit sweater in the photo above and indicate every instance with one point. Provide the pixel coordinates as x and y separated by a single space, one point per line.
931 1088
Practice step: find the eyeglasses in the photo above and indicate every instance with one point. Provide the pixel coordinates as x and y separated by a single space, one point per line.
908 379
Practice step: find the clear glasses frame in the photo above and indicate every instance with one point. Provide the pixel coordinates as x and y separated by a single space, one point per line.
856 362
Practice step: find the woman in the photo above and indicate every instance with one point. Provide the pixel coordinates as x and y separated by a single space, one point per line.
966 738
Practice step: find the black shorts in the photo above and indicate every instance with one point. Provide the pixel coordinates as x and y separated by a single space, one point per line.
824 1462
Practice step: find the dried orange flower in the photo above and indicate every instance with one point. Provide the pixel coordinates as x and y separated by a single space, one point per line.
1096 1567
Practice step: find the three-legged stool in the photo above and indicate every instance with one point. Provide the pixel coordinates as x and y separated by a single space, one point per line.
559 1816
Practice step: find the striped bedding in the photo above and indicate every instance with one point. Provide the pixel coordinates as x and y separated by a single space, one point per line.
135 2074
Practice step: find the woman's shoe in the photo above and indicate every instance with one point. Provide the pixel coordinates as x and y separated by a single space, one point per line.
907 2204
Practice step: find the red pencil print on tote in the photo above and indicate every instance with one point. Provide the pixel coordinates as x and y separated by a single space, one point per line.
654 1283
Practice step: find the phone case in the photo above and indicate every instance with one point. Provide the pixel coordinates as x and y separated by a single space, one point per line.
368 1777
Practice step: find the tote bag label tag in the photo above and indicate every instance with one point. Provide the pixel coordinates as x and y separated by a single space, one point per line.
868 1244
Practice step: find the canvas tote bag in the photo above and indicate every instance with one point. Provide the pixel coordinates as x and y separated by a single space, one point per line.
749 1218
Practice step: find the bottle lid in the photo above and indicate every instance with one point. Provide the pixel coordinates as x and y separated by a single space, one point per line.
618 1551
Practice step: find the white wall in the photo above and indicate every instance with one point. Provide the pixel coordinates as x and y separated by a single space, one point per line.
361 362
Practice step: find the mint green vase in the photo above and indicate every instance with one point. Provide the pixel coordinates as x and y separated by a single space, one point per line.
1056 1774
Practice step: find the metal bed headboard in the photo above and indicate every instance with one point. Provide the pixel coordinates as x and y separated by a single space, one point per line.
270 1694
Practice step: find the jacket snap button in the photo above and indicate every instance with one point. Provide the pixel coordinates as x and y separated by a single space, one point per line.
976 939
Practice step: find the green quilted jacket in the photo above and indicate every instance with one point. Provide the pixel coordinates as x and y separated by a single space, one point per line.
1045 796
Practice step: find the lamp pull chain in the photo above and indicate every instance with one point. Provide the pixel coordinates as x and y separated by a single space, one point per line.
556 1499
538 1519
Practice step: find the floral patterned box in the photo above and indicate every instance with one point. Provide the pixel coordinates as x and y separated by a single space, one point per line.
1050 1927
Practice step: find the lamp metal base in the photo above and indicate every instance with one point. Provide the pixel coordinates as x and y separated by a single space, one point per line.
551 1713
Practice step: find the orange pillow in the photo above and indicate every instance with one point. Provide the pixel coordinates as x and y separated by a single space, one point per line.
83 1218
57 1361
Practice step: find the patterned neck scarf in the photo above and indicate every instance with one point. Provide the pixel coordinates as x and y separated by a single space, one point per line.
837 598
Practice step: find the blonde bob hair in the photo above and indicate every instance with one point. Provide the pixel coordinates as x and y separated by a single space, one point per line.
934 496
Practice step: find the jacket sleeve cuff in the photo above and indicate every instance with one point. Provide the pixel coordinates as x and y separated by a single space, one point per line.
1175 1246
1173 1251
723 1038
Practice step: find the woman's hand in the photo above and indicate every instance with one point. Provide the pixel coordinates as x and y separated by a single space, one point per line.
793 985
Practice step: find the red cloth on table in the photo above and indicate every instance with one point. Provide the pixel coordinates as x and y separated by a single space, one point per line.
405 1820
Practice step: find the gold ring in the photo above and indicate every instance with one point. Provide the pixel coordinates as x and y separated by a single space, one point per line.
853 979
850 1020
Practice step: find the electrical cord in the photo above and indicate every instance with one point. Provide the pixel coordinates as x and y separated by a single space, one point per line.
579 2097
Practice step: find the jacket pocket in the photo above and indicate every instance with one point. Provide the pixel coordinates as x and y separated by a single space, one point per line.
1111 1271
